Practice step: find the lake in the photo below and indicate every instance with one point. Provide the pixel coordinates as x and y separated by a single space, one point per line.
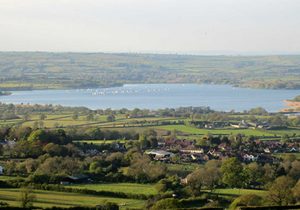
154 96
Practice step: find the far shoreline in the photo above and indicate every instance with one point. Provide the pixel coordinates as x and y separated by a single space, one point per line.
49 87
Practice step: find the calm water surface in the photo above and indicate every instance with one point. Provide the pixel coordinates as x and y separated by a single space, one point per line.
153 96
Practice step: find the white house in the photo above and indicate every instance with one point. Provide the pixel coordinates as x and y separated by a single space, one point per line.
159 154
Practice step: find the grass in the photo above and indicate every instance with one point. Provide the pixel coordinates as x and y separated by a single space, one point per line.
240 192
146 189
193 130
8 178
62 199
138 124
228 131
282 155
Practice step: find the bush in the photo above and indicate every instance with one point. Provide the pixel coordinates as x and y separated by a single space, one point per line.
246 200
168 203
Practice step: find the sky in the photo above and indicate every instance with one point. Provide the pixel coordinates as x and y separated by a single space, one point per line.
156 26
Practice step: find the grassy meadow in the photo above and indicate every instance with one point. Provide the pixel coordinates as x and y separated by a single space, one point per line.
237 192
63 199
132 188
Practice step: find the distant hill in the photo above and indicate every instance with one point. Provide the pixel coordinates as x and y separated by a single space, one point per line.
43 70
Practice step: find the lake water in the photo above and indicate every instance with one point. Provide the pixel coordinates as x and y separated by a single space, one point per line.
153 96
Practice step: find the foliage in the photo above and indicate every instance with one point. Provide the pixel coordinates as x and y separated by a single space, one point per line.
280 192
143 170
168 203
246 200
26 198
233 173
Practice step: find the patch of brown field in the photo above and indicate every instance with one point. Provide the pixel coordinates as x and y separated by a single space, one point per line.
295 104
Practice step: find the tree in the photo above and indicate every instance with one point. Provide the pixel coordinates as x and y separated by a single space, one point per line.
258 111
246 200
95 133
212 177
295 170
168 203
90 117
95 167
43 116
280 191
233 174
110 118
255 173
26 117
54 149
75 116
195 181
41 124
296 191
171 183
207 177
269 173
26 198
31 165
142 169
20 133
38 135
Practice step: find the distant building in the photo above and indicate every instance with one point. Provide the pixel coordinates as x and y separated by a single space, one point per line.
159 154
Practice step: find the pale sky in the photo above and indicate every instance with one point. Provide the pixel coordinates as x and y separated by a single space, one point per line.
177 26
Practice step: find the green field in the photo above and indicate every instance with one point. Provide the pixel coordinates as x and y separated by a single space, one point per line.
8 178
193 130
282 155
133 188
255 132
240 192
62 199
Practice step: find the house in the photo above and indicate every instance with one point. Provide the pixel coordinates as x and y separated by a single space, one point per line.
293 149
249 157
9 143
159 154
223 147
209 126
242 124
192 150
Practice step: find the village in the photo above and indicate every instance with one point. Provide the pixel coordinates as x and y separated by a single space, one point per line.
175 150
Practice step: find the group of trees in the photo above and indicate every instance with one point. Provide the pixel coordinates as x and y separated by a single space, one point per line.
234 174
63 136
280 180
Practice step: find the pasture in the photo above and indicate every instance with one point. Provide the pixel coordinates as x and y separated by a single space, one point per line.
132 188
228 131
63 199
237 192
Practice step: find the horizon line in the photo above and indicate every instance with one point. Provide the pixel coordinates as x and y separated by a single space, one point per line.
191 53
